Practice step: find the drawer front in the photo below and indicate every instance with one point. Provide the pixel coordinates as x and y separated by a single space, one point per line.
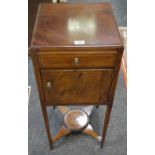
77 60
67 87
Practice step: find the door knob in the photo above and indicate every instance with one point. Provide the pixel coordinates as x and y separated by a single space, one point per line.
76 61
49 85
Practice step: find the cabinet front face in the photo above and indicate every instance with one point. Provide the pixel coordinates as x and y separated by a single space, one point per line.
66 87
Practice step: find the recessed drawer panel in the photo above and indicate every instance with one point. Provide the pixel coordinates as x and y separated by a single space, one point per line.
77 60
84 86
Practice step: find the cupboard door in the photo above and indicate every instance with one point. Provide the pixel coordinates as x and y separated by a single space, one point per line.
67 87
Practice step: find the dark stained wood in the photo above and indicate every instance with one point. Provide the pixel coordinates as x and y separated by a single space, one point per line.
77 87
59 25
32 12
76 120
115 76
86 60
41 95
106 122
97 106
71 74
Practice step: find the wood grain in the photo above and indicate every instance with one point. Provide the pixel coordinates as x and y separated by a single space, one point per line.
80 87
41 95
76 120
86 60
106 123
59 80
92 22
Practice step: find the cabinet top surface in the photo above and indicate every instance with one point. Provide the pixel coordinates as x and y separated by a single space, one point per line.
75 25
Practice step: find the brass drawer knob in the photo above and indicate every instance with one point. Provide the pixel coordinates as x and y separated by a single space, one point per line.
49 85
76 61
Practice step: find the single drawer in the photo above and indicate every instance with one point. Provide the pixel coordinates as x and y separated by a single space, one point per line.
77 59
82 86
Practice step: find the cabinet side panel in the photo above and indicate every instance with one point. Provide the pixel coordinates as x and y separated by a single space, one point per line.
115 75
37 75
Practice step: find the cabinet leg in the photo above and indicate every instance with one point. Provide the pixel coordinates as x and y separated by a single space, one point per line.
62 132
106 122
90 131
45 116
97 106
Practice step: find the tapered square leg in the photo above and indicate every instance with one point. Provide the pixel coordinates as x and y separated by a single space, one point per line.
106 122
45 116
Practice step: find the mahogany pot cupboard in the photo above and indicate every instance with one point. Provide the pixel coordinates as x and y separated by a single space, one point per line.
76 50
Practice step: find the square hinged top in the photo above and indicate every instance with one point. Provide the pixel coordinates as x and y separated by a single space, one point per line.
69 25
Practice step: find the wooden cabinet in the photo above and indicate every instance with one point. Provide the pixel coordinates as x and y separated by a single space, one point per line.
76 51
